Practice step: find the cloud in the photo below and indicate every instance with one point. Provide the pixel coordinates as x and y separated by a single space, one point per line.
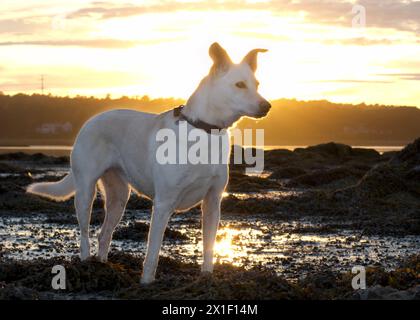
261 35
397 14
403 15
10 85
68 78
361 41
402 76
21 26
106 10
91 43
351 81
405 64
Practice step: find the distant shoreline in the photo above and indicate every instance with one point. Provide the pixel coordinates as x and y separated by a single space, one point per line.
64 150
379 148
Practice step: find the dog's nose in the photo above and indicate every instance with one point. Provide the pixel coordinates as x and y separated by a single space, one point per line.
264 106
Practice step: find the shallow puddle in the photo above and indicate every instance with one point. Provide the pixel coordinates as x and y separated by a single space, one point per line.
247 241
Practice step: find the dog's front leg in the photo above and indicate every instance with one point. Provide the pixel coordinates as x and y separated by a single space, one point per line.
159 221
211 217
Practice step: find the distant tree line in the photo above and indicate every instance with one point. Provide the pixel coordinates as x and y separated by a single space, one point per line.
45 119
293 122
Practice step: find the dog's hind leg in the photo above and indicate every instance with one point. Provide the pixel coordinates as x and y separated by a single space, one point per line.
117 192
211 217
160 217
90 159
85 193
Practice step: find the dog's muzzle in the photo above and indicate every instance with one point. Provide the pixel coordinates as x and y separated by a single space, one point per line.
264 107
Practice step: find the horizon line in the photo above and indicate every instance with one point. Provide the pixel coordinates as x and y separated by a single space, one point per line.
149 99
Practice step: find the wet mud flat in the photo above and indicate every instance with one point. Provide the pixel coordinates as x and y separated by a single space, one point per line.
293 232
119 279
292 249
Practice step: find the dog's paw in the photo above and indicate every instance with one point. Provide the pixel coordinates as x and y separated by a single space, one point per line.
101 259
90 259
207 269
85 258
145 281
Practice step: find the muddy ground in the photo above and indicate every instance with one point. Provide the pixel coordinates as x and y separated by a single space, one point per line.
119 279
359 191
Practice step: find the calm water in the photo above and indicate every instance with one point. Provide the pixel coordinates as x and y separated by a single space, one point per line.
380 149
48 150
65 150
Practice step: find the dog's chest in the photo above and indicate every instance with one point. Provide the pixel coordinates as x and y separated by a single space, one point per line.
194 188
192 195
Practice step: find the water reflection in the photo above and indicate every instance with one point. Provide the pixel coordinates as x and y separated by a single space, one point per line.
240 241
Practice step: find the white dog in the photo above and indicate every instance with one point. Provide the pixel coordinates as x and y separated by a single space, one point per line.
117 151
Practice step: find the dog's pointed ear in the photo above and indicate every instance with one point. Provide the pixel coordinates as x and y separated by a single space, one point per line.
221 60
251 58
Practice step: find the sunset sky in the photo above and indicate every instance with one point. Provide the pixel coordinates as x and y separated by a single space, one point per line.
160 48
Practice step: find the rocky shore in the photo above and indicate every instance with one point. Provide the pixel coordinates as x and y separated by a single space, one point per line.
344 188
358 187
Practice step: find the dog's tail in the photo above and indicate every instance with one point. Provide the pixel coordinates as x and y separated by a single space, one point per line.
58 191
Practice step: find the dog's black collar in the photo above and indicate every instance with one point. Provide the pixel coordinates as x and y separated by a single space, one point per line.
197 123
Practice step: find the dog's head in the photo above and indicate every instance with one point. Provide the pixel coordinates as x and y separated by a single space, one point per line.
233 87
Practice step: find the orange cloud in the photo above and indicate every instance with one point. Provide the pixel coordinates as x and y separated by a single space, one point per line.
93 43
397 14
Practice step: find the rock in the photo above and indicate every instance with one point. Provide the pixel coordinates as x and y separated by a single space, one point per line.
330 149
321 177
381 181
137 202
39 158
401 174
21 202
413 174
379 292
11 292
388 155
365 153
241 182
340 151
8 168
233 204
278 157
97 217
409 156
287 173
138 231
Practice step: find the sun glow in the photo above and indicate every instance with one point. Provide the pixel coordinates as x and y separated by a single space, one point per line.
160 49
229 246
224 244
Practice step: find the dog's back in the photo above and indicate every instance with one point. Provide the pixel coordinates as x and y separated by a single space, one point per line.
99 145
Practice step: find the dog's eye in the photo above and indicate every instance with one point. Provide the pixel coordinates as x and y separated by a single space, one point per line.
241 85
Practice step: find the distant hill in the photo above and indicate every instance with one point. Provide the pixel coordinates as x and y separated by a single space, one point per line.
293 122
42 119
